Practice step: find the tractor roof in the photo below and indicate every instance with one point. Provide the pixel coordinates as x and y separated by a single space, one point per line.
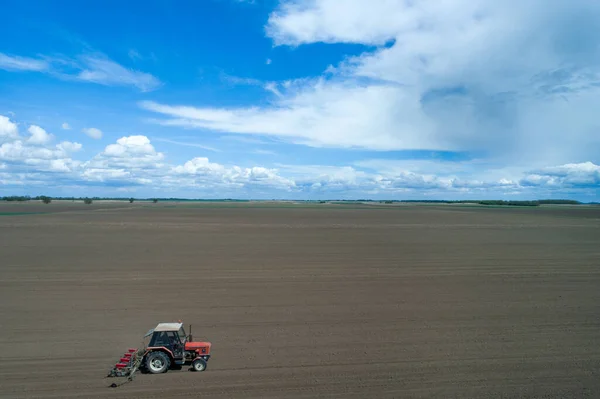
164 327
168 327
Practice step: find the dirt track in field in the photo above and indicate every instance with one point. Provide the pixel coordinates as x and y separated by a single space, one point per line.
304 301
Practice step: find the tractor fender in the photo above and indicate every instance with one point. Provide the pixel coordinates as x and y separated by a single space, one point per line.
162 349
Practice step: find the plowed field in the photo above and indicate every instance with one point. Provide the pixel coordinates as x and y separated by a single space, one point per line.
325 300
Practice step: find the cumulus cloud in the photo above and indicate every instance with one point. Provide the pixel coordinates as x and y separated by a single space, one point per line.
20 151
22 157
133 151
133 161
38 135
108 174
8 129
65 126
203 171
326 180
357 21
93 132
68 146
62 165
574 175
508 79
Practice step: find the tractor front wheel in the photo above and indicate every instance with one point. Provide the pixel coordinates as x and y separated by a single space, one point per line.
199 365
157 362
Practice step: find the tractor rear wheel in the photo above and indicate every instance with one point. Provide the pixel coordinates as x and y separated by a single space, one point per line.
157 362
199 365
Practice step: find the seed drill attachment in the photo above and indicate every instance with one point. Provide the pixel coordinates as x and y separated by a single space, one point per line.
127 366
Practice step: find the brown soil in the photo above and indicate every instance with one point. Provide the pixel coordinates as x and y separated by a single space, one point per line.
304 301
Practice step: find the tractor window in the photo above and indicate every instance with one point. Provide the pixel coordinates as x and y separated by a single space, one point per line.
159 339
173 337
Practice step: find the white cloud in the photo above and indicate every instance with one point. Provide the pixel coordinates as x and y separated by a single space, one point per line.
131 156
391 183
34 151
65 126
472 169
579 175
508 79
68 146
329 21
93 132
102 70
8 129
199 165
16 63
268 61
236 80
36 157
38 135
322 115
19 151
187 144
203 173
106 174
23 152
272 87
133 161
62 165
132 146
96 68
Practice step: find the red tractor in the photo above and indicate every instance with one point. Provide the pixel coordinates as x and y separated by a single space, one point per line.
169 347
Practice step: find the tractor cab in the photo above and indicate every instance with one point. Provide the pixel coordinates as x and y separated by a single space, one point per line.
170 336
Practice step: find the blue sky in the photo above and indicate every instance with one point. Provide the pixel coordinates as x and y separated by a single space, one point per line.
301 99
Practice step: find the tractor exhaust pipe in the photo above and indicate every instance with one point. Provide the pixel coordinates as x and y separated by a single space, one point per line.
190 339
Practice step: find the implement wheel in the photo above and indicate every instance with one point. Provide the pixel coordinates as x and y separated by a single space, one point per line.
199 365
157 362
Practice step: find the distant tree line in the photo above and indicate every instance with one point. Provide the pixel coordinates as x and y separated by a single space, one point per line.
23 198
19 198
477 202
87 200
500 202
559 202
511 203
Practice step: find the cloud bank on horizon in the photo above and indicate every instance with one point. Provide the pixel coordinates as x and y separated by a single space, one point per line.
425 99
